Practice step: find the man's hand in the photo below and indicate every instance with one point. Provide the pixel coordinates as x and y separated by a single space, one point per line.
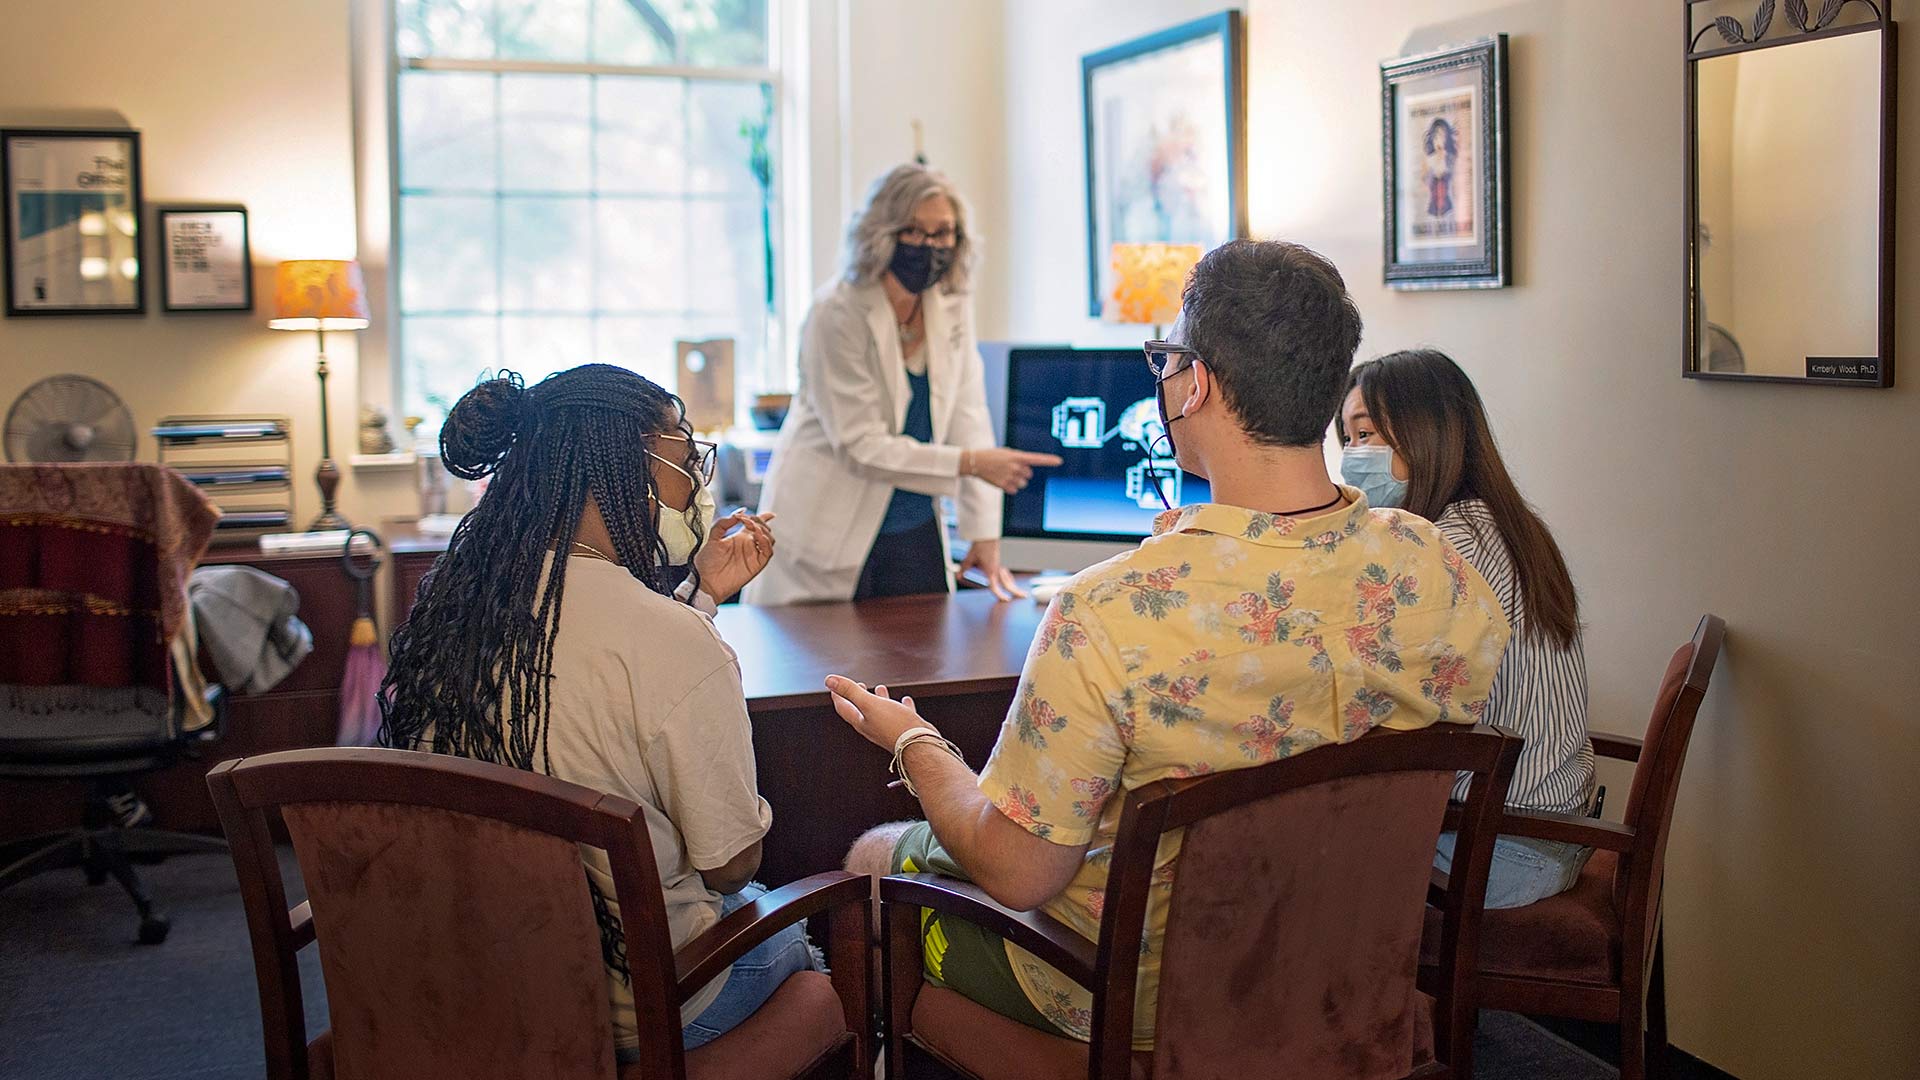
727 562
985 554
1014 866
873 713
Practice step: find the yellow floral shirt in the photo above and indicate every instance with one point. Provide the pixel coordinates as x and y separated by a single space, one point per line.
1229 638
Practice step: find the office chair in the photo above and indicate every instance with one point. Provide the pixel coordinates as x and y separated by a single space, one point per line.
97 670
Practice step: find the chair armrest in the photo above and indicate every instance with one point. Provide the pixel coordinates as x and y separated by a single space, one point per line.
1437 885
1617 747
1568 828
699 961
1035 931
301 921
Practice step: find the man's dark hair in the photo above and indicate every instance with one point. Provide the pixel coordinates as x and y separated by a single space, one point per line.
1274 324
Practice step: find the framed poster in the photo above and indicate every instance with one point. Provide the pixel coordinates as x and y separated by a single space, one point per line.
1166 138
204 261
1444 156
72 222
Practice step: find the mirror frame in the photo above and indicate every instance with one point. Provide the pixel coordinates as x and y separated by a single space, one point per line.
1740 39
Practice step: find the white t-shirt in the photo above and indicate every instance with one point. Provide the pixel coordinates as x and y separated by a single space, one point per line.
646 703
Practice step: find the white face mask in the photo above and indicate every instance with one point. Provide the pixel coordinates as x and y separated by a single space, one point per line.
679 534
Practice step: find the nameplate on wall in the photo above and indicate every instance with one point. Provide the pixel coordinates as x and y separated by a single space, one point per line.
1851 368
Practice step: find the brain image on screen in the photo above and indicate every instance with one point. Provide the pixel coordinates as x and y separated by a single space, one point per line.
1140 424
1096 409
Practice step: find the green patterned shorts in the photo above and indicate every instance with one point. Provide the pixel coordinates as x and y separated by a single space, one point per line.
958 954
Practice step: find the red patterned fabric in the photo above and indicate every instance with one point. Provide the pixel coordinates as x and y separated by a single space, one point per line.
94 561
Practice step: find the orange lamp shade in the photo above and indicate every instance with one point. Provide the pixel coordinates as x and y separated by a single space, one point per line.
319 294
1147 281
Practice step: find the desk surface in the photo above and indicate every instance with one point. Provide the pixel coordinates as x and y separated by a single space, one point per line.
928 646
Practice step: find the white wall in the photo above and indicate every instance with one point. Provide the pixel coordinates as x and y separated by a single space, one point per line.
1792 926
236 101
891 63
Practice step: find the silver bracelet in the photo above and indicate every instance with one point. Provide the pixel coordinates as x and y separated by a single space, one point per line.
908 738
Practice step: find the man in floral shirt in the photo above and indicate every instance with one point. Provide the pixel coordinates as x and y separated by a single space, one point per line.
1285 616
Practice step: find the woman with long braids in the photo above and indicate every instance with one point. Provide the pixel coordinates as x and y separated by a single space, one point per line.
550 638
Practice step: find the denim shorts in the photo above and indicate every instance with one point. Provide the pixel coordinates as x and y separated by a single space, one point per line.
1525 870
750 981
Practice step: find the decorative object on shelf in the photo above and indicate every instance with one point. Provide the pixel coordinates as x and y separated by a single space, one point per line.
705 376
1166 143
243 463
321 295
205 263
374 438
1147 283
72 222
1791 161
69 418
769 411
1444 156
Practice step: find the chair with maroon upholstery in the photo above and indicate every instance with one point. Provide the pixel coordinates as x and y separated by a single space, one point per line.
457 936
1594 952
1292 941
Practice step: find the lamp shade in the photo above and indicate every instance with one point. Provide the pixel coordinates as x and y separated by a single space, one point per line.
1147 281
319 294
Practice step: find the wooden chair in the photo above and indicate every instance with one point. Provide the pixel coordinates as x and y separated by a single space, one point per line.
1293 937
1594 952
457 936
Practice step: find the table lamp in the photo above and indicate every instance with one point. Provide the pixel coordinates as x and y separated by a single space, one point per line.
1147 282
321 295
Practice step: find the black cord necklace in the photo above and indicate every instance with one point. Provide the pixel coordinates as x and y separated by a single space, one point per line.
1338 495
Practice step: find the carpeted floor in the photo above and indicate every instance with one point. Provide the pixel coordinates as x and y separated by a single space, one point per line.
80 1001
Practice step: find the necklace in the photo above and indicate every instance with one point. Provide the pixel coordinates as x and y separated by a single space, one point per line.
911 334
595 553
1328 505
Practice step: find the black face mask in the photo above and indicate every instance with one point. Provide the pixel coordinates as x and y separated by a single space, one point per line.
919 266
1166 424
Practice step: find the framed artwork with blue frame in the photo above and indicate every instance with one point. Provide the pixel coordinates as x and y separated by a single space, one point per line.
1166 142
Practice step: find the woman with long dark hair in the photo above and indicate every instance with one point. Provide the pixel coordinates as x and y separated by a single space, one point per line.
1416 437
550 637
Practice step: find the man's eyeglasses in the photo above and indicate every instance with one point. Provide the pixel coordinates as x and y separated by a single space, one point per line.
1167 359
944 237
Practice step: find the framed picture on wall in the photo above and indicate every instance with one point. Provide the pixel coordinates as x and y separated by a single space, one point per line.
1166 143
71 204
1444 152
205 264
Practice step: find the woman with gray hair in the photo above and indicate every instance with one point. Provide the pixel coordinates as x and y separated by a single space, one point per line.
890 415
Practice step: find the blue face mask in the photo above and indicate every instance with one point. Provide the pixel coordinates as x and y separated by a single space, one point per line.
1370 468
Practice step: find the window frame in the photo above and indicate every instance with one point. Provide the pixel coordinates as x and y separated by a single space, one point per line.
774 370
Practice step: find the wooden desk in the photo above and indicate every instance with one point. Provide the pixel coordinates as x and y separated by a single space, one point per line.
959 656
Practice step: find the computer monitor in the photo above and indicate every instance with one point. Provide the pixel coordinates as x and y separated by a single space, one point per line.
1095 408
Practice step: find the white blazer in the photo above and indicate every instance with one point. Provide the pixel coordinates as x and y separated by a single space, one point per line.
840 454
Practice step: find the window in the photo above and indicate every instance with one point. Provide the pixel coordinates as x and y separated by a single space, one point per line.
577 181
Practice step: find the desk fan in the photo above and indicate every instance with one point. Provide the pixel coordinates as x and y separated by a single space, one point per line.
69 418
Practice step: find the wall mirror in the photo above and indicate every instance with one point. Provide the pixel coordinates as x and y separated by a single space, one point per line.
1790 191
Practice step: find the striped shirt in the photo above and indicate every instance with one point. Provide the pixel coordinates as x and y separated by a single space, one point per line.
1540 690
